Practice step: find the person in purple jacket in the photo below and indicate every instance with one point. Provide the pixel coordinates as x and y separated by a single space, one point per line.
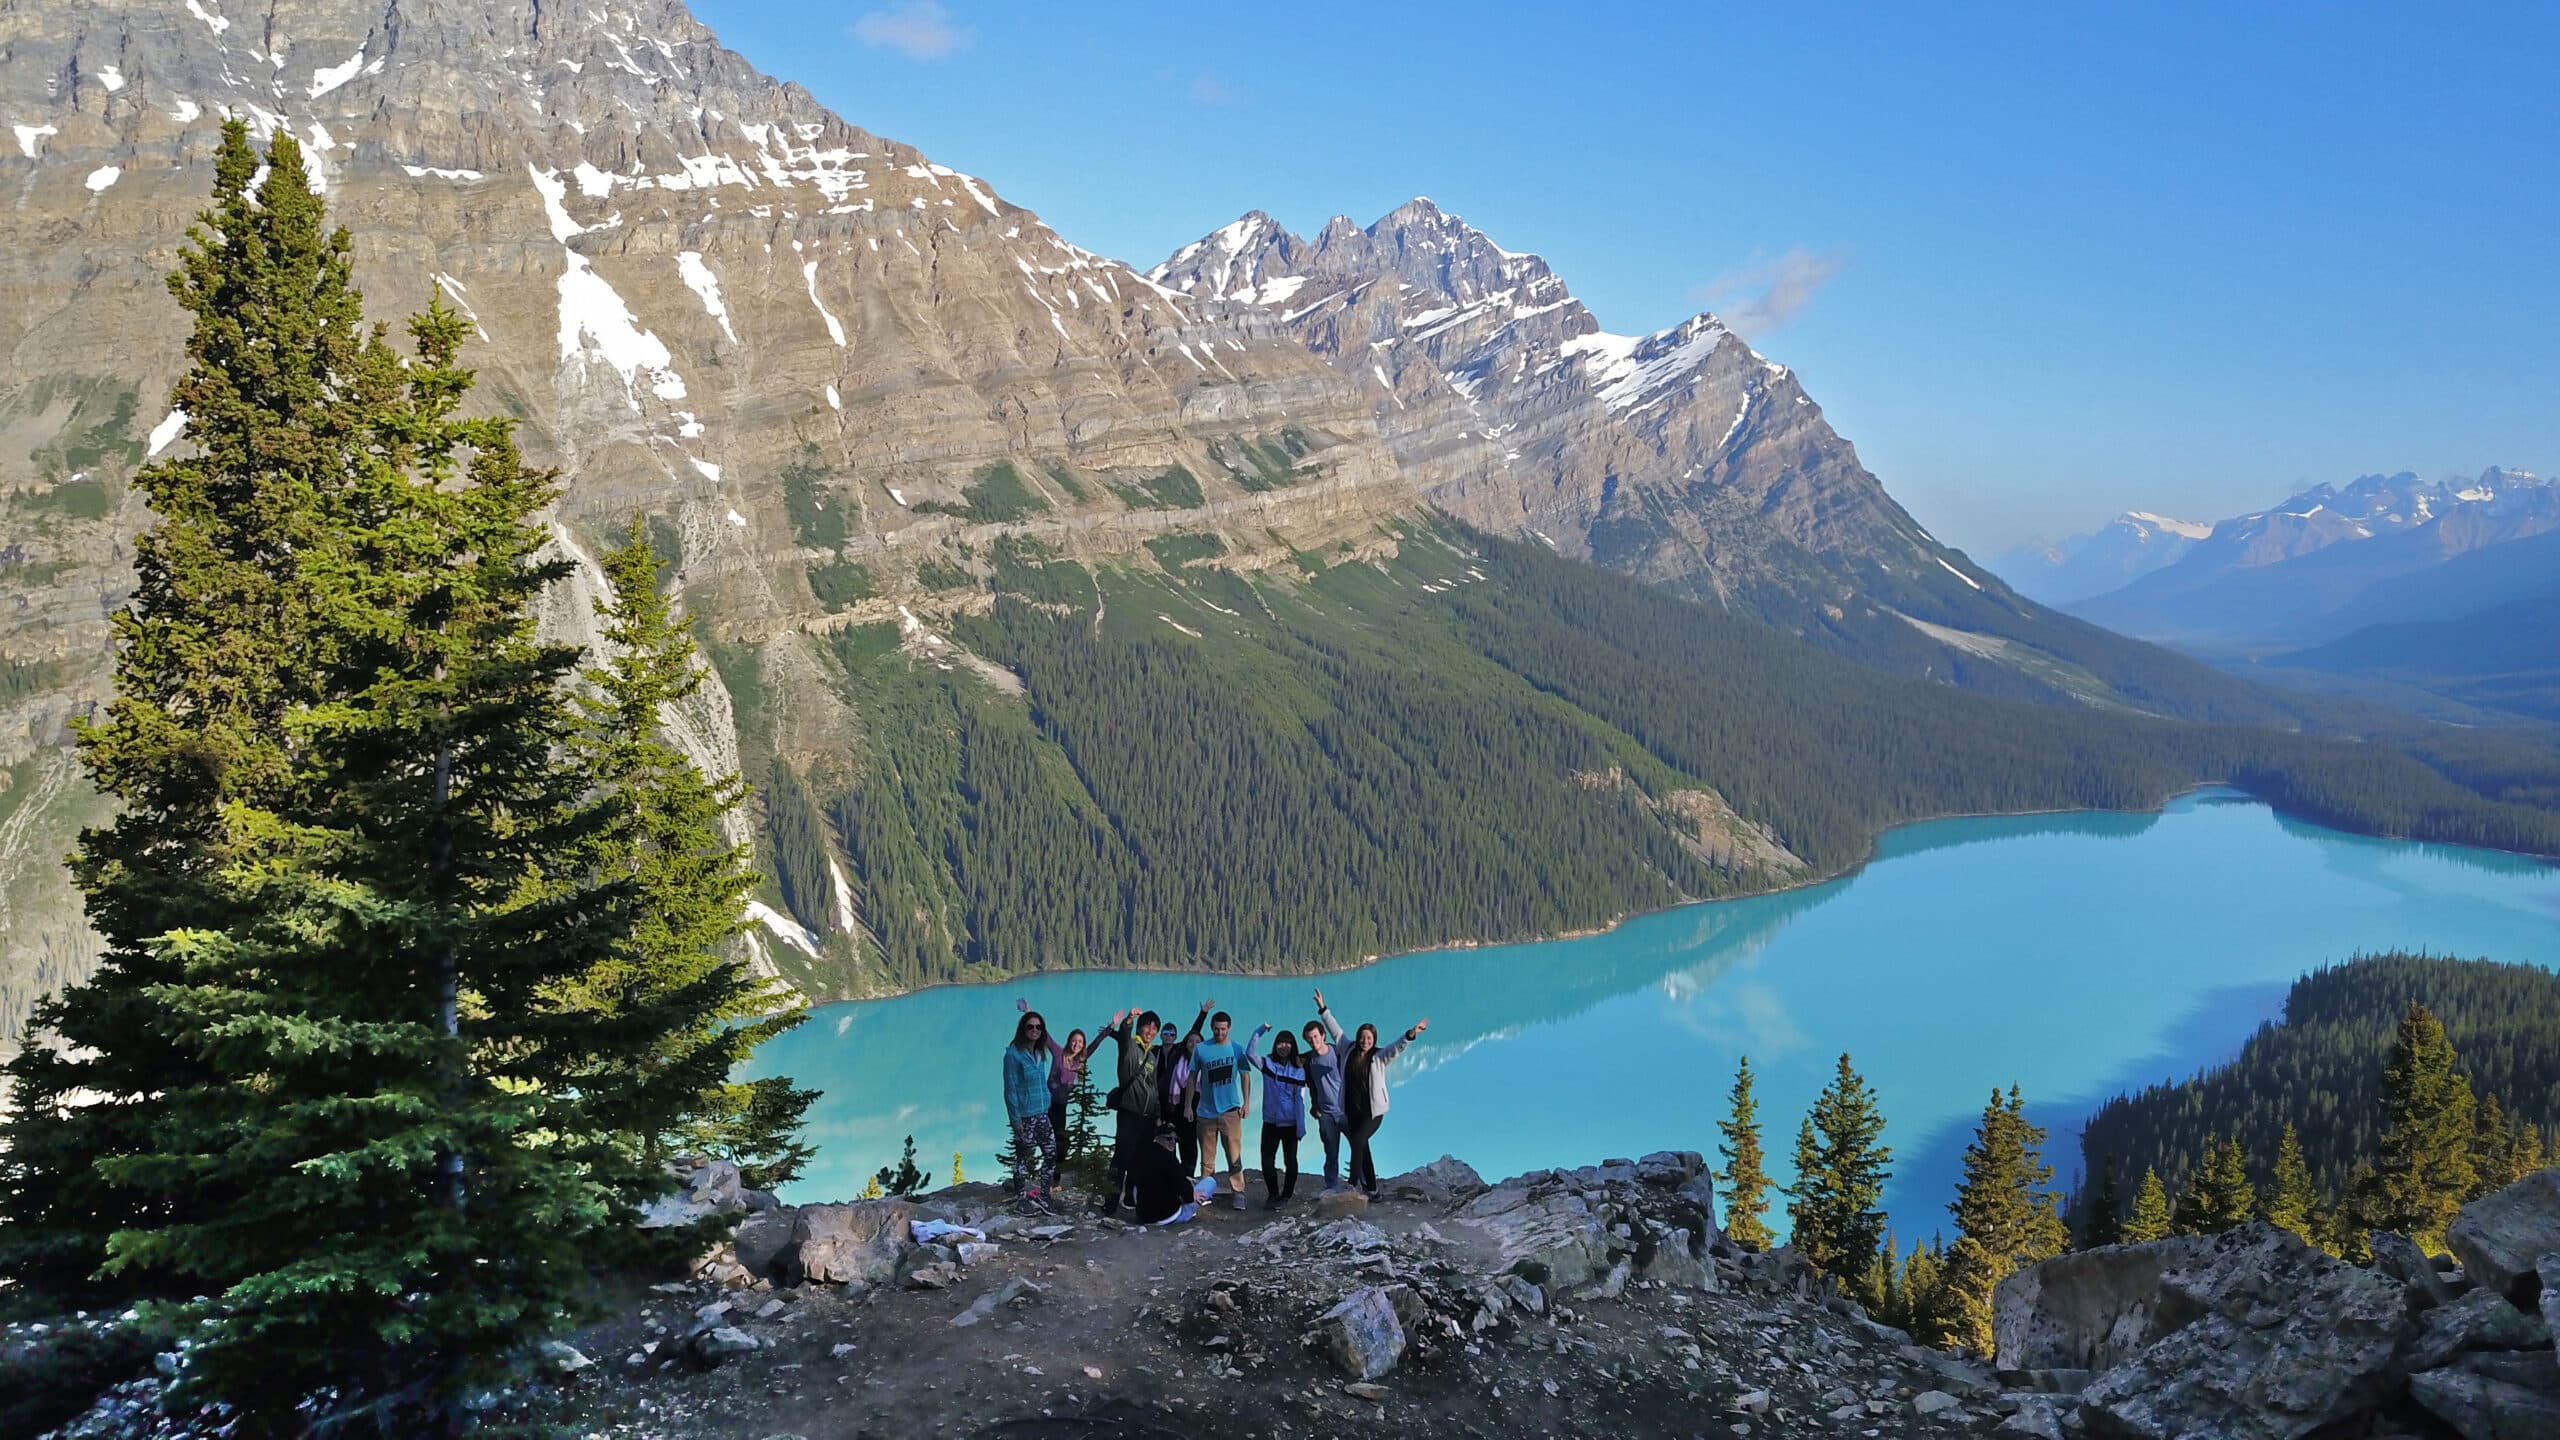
1284 1111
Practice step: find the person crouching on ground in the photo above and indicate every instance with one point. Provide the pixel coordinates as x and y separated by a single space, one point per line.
1322 1060
1026 1104
1284 1112
1218 1077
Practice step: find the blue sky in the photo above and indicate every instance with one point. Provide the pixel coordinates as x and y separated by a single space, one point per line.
2041 263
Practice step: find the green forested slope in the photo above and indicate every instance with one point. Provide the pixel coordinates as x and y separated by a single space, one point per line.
1472 740
2321 1069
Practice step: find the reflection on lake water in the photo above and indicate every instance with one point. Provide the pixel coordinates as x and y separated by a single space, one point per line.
2075 955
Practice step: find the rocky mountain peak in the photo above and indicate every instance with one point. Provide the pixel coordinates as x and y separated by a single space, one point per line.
1682 455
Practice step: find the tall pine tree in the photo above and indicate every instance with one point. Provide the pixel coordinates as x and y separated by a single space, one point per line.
2423 1172
323 1078
2005 1215
1836 1204
668 1016
1746 1179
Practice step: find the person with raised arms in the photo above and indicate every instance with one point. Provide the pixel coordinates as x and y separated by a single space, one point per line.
1364 1096
1284 1112
1134 1101
1322 1061
1178 1092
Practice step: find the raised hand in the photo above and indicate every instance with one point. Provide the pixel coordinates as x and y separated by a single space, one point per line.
1422 1024
1262 1029
1117 1016
1022 1005
1319 999
1208 1005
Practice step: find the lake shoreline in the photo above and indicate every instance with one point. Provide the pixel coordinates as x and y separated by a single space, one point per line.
1875 846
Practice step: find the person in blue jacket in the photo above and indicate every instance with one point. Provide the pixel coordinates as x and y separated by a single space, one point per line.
1026 1104
1284 1112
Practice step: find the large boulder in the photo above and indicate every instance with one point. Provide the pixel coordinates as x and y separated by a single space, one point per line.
2500 1238
2088 1310
2481 1320
2399 1257
1552 1238
1363 1334
859 1243
2262 1338
764 1238
1444 1181
2485 1400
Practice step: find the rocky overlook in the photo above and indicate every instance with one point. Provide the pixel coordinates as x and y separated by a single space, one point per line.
1596 1300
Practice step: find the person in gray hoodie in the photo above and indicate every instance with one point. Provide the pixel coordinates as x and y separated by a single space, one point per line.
1321 1057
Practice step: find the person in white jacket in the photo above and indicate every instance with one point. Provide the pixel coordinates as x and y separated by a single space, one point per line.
1364 1096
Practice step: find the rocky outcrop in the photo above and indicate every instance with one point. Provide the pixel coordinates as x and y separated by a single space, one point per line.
2266 1339
2256 1336
856 1244
2501 1239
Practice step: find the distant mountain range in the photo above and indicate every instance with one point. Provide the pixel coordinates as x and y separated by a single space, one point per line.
2076 567
2441 586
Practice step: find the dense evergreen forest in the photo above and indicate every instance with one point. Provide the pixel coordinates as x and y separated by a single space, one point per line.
2321 1070
1472 740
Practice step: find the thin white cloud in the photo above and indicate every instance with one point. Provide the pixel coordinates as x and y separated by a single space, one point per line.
919 29
1763 296
1207 89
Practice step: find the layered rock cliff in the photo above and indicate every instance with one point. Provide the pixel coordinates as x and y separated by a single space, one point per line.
822 362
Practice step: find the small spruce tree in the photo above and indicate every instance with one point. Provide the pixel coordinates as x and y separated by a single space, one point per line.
2291 1201
1746 1179
2150 1219
670 1015
2102 1213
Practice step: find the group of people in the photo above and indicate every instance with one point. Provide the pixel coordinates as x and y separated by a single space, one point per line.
1177 1102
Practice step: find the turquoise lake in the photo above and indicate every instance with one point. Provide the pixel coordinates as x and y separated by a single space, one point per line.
2075 955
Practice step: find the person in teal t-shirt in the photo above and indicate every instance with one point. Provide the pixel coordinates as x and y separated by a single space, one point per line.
1217 1066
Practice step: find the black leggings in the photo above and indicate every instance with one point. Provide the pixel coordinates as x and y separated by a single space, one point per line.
1364 1167
1058 1120
1279 1140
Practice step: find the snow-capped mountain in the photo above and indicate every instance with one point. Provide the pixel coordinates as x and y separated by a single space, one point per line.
1683 455
2274 575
